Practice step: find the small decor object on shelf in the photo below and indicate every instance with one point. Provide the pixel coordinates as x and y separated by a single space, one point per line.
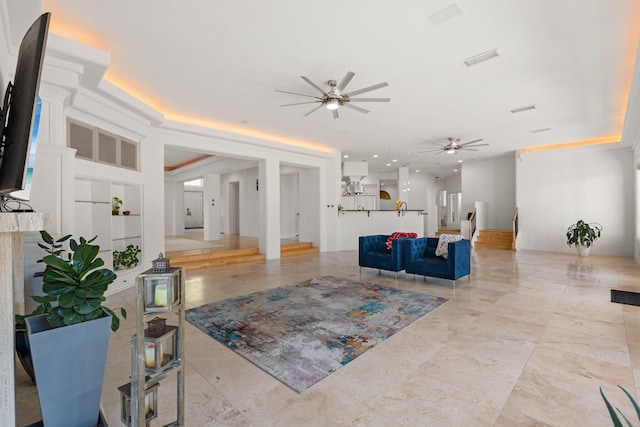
150 403
126 213
116 203
127 258
398 204
582 235
160 345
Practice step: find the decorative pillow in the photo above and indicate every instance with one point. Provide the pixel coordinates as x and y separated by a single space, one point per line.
443 244
398 235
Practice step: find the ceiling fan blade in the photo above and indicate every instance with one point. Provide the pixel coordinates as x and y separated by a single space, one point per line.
353 107
335 114
317 108
370 99
475 145
300 94
299 103
470 142
467 149
345 81
367 89
315 86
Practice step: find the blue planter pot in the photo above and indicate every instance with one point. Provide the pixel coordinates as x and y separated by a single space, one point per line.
69 364
23 350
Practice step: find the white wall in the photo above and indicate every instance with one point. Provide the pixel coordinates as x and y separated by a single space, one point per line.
494 182
557 188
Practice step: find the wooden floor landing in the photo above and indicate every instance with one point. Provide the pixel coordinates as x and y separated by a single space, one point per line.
233 249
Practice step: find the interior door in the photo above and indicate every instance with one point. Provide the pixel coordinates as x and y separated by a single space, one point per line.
194 209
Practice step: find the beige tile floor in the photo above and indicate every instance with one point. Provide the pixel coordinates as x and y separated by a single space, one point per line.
527 342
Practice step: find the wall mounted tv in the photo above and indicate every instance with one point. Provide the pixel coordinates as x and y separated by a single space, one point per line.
19 109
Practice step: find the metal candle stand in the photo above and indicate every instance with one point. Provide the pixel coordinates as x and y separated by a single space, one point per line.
156 352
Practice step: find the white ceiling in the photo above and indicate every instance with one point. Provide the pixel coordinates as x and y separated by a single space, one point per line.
223 60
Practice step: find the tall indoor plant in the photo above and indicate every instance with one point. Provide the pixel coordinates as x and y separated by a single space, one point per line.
582 235
69 344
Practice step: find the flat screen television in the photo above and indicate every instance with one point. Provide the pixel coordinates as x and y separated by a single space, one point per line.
18 115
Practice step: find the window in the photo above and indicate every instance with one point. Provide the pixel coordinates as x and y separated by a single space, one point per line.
100 146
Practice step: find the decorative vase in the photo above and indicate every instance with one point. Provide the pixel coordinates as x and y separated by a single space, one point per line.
69 364
583 250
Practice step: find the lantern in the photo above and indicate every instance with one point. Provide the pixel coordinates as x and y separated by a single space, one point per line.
160 289
160 345
150 403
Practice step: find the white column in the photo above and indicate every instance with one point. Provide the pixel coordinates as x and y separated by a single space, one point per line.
269 205
12 225
404 184
212 207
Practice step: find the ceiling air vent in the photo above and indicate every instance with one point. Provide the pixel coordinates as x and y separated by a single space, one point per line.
445 14
541 130
521 109
474 60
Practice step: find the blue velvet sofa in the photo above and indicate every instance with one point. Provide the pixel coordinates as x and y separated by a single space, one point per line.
373 253
420 258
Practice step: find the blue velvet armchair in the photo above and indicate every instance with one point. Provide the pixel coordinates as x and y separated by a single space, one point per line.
373 253
420 258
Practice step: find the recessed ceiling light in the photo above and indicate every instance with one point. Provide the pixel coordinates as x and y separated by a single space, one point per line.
460 161
375 156
346 156
474 60
417 170
521 109
388 164
394 160
455 170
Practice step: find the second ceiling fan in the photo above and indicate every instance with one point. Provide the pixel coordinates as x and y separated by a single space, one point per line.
336 96
453 146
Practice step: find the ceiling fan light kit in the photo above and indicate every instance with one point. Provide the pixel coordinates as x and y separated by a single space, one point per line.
336 96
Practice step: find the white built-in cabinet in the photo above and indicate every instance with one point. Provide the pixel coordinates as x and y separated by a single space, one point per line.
106 166
93 217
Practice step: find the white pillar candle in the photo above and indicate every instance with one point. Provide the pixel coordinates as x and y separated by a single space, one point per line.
160 295
149 355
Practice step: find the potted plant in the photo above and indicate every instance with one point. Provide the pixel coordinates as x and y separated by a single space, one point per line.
582 235
127 258
69 343
23 350
116 203
616 413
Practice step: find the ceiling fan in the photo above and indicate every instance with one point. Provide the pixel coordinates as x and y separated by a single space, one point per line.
336 97
453 146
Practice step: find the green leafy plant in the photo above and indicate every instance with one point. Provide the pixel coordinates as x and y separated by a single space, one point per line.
127 258
116 203
79 285
582 233
52 247
616 413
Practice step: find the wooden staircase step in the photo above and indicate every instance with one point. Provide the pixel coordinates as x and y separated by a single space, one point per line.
217 258
217 261
498 239
294 249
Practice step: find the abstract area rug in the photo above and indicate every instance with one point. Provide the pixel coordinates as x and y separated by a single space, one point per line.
303 332
625 297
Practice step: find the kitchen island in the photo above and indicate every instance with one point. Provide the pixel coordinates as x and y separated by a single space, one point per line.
355 223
